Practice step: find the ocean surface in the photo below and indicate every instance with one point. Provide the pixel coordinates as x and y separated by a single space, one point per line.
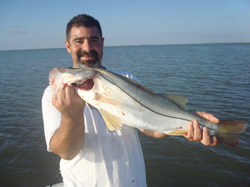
215 78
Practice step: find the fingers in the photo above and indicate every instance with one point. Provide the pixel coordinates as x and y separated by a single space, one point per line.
208 116
207 140
195 134
61 97
193 131
72 96
214 141
69 92
54 100
68 95
68 100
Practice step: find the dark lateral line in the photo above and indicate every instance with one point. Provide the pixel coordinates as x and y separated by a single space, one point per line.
142 104
122 77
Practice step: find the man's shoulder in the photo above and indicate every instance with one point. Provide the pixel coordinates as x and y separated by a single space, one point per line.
49 89
48 92
125 74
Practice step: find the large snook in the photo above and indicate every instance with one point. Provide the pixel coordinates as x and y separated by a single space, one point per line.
121 100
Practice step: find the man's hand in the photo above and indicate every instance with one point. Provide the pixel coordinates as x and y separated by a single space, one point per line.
194 133
69 103
68 140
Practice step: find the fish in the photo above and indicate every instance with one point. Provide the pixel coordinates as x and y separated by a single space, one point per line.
124 101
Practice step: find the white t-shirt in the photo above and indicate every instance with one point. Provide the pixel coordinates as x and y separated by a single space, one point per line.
107 158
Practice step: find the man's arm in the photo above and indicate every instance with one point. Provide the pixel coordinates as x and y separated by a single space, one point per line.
68 140
194 132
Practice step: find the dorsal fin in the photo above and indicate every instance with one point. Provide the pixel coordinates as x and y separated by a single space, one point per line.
178 99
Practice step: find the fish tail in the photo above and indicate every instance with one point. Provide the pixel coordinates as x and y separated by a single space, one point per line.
228 131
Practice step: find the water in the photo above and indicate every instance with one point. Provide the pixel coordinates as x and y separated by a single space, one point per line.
216 78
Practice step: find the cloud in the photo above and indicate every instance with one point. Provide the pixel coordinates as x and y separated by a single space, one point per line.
18 31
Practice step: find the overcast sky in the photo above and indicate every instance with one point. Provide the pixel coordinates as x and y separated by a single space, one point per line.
26 24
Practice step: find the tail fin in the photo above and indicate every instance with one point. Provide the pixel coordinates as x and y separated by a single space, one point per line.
228 132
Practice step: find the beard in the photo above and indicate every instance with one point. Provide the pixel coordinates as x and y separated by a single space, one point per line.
92 62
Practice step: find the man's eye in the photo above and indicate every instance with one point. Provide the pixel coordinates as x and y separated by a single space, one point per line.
95 40
79 42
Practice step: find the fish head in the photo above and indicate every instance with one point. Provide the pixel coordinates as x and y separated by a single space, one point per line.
78 77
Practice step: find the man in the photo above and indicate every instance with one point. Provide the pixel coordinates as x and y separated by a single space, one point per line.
91 154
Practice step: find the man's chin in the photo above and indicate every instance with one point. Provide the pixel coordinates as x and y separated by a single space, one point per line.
92 64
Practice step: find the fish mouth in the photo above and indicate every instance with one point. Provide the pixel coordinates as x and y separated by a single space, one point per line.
87 85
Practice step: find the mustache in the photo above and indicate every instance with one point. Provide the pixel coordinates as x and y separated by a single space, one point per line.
90 53
93 62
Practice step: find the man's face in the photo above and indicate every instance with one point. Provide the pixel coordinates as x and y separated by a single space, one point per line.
86 46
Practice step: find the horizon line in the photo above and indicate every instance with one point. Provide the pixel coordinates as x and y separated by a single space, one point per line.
138 45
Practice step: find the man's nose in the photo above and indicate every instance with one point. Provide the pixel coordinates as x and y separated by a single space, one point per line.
87 46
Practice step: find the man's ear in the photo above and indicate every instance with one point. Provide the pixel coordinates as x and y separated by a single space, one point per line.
102 42
67 46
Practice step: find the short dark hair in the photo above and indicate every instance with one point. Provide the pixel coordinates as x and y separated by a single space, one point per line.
83 20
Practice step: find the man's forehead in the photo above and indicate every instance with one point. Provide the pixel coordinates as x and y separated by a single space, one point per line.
84 32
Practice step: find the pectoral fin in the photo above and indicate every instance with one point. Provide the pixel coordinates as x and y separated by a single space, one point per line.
112 122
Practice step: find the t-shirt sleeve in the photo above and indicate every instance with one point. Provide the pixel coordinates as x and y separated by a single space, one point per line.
51 116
